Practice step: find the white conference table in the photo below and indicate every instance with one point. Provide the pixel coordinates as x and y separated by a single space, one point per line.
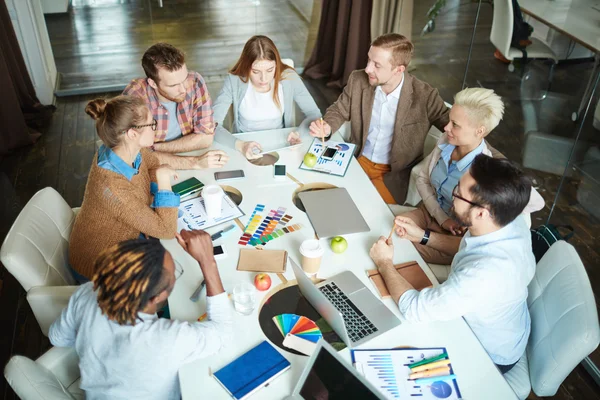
478 377
577 19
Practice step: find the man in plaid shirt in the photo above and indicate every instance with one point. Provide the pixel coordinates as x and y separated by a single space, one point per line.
181 107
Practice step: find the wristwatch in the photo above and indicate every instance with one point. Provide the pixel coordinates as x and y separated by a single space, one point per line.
425 237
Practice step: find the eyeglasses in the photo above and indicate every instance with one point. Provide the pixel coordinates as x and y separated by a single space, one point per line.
455 195
178 270
154 125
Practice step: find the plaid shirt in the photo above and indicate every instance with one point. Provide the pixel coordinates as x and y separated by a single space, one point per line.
194 113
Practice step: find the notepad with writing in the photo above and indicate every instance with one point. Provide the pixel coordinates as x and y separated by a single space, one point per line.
411 271
252 371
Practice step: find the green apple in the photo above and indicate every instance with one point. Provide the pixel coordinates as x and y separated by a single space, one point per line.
339 244
310 160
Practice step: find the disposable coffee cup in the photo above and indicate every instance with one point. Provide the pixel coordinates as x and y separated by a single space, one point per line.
312 253
213 198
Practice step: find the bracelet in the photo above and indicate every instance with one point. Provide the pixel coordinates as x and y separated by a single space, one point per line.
425 237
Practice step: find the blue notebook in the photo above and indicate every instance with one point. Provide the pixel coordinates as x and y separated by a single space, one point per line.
252 370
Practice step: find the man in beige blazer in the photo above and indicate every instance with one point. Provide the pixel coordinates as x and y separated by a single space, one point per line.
390 112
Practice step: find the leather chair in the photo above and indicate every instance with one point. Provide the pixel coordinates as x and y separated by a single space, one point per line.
53 376
564 323
35 252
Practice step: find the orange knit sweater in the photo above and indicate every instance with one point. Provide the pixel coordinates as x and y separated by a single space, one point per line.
116 209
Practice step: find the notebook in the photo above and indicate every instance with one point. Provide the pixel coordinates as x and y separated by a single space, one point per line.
251 371
411 271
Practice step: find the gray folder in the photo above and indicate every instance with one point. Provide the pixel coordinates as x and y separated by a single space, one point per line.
332 212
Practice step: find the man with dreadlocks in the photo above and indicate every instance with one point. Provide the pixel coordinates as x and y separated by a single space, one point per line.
125 350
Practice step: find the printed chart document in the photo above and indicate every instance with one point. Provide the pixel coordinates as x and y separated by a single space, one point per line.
334 165
192 214
388 371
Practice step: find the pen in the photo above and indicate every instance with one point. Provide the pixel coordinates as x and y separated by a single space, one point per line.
435 379
196 295
432 365
430 359
221 233
430 372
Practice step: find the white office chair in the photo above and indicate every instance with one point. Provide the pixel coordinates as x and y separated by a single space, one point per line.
53 376
501 36
35 253
564 323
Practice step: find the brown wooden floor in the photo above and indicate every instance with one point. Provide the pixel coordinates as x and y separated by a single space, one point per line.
61 158
102 42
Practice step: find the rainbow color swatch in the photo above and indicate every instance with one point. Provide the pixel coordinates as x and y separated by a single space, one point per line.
297 325
260 231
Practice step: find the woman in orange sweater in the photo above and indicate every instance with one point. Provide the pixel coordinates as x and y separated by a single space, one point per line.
128 193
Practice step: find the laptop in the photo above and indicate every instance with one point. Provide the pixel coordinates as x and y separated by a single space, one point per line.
351 309
332 212
328 376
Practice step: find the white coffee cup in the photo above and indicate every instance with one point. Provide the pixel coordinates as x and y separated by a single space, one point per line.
312 253
213 198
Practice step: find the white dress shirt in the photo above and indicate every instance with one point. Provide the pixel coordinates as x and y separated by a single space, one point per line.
138 361
487 286
381 129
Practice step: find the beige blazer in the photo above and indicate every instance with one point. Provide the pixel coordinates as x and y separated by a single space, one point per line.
420 106
429 194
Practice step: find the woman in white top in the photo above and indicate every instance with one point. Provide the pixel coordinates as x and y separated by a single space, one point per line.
475 113
262 91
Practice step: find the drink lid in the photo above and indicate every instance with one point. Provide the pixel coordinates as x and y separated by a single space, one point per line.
311 248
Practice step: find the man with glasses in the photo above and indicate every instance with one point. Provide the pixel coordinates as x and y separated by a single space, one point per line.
488 281
125 351
181 106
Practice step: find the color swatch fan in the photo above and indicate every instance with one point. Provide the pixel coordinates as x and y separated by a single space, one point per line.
299 332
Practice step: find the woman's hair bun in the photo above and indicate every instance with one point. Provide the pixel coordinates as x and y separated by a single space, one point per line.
95 108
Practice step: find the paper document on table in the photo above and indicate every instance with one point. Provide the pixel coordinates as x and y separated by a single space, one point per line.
270 141
192 214
388 371
331 158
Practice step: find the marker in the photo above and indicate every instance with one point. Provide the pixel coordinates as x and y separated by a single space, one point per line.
322 133
430 372
423 381
196 295
430 359
432 365
221 233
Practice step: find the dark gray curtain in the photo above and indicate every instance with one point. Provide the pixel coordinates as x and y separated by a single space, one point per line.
342 42
18 95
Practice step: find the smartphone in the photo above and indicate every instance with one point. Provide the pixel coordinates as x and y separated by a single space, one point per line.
329 153
229 175
279 171
188 189
219 252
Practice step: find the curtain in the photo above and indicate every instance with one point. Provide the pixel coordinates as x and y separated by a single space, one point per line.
18 95
392 16
342 42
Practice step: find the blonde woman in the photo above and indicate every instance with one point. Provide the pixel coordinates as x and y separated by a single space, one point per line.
475 113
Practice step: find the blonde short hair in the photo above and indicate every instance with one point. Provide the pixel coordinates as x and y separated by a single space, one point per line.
483 106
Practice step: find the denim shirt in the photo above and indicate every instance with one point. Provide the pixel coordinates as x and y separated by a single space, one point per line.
445 175
107 159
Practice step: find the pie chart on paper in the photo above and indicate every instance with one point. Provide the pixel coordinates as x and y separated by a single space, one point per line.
441 389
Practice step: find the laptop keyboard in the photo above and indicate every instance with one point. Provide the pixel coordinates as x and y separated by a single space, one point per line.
357 325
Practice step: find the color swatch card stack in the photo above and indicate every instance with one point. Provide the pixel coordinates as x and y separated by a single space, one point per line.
330 158
408 373
300 333
261 228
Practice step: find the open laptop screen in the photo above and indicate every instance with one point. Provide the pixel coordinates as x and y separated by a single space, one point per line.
329 379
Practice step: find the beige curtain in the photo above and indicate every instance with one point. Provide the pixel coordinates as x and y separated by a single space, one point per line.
392 16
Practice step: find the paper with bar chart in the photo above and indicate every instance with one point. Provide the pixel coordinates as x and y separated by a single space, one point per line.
388 371
335 165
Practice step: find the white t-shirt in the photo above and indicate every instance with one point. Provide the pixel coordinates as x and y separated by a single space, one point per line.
259 112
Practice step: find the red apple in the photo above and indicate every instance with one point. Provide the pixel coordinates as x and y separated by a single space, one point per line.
262 282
